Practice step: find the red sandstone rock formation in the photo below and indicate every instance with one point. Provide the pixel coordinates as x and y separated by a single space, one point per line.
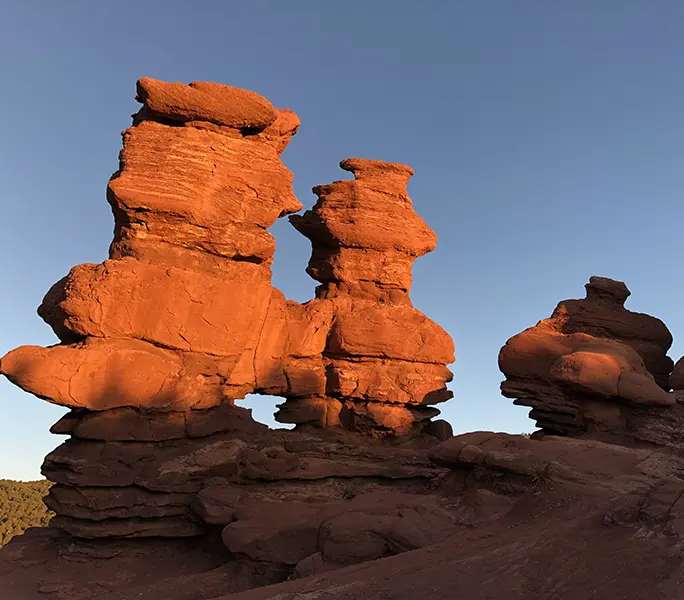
199 184
159 340
385 362
593 368
183 315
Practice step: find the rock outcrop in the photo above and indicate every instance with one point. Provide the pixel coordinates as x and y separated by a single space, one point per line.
541 514
159 341
593 369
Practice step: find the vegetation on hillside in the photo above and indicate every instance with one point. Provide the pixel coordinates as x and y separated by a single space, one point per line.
21 507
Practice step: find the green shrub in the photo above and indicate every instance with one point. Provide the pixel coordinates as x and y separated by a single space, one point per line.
21 507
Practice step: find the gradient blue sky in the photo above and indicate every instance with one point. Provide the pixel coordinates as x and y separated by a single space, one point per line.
547 140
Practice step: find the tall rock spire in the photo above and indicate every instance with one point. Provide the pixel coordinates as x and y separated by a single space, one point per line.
386 362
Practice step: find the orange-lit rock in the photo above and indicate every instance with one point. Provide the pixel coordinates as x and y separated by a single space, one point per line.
206 101
381 354
158 341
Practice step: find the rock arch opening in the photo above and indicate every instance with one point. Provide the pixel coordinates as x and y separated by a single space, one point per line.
263 409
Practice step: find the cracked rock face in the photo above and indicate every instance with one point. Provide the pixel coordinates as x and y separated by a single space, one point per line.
594 368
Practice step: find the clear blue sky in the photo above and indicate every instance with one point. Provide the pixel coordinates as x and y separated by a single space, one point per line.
547 140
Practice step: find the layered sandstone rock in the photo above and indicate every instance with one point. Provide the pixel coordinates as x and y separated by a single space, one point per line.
385 362
310 510
131 473
593 368
200 181
183 315
182 319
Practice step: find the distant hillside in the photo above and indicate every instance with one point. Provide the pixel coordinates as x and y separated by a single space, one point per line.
21 506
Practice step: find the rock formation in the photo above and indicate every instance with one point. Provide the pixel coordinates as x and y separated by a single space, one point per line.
385 362
167 489
158 341
183 315
200 182
594 368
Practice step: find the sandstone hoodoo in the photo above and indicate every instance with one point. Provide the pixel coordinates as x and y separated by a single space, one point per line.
385 362
160 340
183 314
200 182
594 368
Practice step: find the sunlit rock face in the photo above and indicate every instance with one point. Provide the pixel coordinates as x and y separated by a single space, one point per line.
594 368
385 362
157 342
183 314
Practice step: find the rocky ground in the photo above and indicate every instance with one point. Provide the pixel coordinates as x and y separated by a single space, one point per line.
506 517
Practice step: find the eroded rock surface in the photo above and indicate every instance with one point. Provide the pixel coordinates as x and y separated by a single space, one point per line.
432 521
385 362
157 342
596 369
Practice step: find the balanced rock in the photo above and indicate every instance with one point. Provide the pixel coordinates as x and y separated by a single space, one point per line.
205 101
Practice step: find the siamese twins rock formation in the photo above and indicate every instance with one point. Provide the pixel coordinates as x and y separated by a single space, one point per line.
158 341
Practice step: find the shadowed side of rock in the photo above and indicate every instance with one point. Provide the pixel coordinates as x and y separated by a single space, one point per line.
308 508
595 369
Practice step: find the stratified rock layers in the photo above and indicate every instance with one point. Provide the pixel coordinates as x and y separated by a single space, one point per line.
594 368
385 362
182 319
175 319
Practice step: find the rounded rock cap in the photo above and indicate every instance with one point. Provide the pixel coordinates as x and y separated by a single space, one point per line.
364 168
604 288
206 101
